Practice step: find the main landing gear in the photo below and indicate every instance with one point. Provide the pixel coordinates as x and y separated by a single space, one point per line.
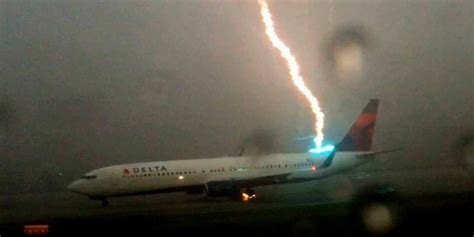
104 203
248 195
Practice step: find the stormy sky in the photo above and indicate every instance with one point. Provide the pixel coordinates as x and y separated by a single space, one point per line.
85 84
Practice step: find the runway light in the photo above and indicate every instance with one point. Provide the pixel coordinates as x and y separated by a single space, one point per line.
36 229
180 177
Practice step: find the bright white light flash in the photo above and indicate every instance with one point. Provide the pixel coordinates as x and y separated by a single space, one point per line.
294 71
323 149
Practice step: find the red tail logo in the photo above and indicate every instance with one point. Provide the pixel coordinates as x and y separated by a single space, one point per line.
359 137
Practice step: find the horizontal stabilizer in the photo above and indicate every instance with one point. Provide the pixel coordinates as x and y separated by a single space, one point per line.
371 154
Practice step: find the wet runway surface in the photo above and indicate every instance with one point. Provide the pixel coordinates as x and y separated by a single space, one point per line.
327 207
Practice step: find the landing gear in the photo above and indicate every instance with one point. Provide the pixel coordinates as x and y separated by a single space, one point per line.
248 195
105 203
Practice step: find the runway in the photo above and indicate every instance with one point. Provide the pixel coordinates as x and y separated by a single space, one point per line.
325 206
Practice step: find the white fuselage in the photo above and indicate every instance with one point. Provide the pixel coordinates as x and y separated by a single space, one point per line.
146 177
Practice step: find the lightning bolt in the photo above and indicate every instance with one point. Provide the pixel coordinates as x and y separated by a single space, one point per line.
294 71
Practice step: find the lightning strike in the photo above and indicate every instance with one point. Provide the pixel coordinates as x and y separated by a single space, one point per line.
294 71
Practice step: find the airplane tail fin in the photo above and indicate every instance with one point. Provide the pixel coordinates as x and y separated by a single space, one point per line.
359 136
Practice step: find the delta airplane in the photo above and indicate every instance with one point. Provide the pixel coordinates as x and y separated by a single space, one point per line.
233 176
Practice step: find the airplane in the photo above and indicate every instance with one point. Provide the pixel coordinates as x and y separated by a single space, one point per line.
233 176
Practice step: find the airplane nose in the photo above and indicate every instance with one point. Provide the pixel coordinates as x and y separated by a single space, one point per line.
74 186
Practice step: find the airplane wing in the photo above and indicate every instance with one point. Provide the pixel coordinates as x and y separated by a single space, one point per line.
254 182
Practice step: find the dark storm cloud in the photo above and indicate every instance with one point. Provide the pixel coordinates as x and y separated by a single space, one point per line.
94 83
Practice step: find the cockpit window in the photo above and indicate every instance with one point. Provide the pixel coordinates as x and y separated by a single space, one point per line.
88 177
